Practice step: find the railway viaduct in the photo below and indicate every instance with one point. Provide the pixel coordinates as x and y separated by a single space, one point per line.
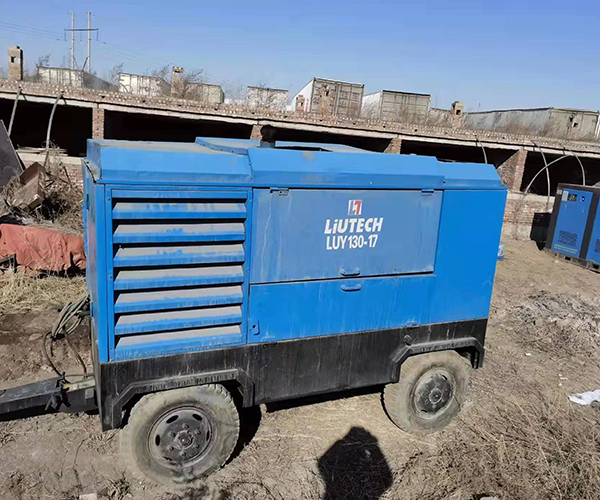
81 114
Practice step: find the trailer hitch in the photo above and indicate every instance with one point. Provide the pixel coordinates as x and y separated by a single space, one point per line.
56 399
50 395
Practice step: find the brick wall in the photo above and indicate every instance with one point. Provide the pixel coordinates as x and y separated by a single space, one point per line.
520 213
75 175
511 171
69 167
97 123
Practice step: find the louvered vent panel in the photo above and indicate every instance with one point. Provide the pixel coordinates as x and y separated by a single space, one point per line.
567 238
178 270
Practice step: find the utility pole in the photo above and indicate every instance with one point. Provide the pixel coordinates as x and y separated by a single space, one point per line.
89 55
89 46
72 40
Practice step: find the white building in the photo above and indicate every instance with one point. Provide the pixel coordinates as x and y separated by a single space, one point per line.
143 85
329 97
66 77
266 98
394 105
206 93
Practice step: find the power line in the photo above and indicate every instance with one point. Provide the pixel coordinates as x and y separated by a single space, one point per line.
128 55
136 56
29 28
30 32
21 26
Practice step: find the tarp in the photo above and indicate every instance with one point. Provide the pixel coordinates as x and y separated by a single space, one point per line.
40 249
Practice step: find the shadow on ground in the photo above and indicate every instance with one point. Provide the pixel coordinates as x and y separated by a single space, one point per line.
354 467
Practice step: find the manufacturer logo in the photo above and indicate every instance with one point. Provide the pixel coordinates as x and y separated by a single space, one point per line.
354 207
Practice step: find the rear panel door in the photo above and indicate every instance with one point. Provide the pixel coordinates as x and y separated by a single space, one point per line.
302 234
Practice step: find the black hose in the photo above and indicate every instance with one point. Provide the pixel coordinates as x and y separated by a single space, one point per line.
69 319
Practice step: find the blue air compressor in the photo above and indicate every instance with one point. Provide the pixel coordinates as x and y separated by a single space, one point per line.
225 273
574 231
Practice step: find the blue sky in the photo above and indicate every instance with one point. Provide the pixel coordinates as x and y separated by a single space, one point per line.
490 55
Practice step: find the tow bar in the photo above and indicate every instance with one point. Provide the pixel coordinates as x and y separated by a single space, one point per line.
51 395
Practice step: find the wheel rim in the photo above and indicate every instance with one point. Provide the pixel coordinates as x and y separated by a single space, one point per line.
181 436
433 393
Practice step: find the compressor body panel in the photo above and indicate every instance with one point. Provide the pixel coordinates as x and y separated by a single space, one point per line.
290 270
574 231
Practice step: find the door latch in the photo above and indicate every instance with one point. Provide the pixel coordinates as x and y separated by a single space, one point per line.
350 272
254 326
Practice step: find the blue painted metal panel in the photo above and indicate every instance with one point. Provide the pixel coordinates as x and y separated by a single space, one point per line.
178 299
160 344
171 256
160 163
594 248
180 224
241 146
285 168
283 311
123 210
142 163
175 320
179 192
110 269
97 265
174 232
164 306
467 254
459 289
317 234
572 218
178 277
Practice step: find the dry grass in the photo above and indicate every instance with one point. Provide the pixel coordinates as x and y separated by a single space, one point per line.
559 324
532 451
63 199
21 291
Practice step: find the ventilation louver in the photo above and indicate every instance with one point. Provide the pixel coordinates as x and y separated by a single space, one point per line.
178 267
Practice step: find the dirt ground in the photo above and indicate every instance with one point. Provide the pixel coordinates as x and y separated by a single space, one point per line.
517 436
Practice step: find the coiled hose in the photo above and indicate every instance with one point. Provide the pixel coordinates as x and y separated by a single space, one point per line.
69 319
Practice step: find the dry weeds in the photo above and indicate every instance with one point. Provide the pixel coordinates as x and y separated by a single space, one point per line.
20 291
539 450
559 323
63 199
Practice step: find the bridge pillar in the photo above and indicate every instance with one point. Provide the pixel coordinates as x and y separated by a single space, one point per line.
256 134
394 146
511 171
97 123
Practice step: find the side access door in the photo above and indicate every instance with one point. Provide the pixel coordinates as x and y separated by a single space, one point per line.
339 261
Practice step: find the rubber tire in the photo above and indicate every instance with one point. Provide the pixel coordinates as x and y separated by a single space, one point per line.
398 397
213 398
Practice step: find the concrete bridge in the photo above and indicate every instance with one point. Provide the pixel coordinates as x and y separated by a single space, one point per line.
82 113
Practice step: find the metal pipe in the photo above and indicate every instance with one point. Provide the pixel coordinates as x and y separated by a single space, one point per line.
50 126
541 170
14 112
482 149
547 174
526 192
580 163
